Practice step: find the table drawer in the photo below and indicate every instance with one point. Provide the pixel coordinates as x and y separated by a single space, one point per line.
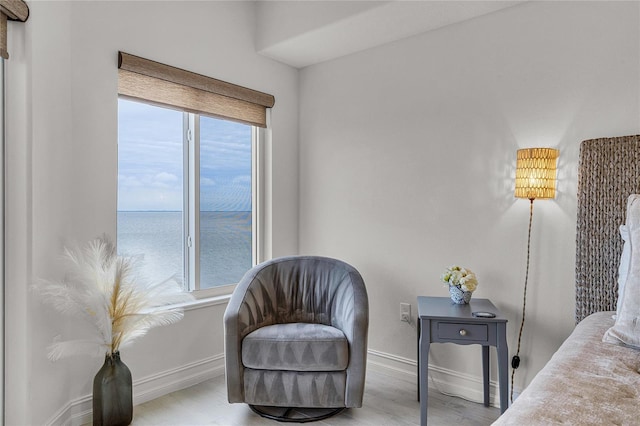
462 331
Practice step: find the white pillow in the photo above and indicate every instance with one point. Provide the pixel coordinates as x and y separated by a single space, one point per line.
626 330
625 262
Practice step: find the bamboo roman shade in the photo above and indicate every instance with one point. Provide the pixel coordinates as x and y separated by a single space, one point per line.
161 84
15 10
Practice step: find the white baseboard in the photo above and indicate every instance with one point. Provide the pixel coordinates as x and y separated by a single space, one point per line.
392 365
448 382
78 411
152 387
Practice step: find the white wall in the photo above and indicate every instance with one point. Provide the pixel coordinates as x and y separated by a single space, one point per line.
407 158
61 165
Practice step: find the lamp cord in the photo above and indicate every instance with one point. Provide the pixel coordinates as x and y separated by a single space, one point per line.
516 359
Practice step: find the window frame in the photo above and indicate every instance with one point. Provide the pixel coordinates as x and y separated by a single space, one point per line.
191 201
191 209
257 222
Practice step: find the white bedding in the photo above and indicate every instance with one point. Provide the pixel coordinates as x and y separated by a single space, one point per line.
586 382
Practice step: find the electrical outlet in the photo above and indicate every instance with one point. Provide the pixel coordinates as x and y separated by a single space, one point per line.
405 312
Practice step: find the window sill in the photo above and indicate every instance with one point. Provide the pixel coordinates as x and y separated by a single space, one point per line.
204 302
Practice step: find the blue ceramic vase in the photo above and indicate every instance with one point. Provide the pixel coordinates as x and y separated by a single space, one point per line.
458 296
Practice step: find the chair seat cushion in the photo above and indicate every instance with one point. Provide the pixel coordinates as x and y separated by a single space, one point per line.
296 347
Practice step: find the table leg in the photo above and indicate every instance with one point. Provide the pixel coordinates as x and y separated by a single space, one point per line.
418 357
423 368
485 374
503 366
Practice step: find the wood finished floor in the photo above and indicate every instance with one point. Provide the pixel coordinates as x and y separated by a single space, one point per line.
387 401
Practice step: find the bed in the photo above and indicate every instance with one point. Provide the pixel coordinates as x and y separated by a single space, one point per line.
588 381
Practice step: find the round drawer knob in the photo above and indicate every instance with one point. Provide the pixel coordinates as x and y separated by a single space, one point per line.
463 332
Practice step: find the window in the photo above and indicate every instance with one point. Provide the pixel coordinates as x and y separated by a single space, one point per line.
187 185
150 187
185 194
225 201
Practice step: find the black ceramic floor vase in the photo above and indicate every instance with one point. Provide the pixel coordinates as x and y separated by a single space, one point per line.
112 393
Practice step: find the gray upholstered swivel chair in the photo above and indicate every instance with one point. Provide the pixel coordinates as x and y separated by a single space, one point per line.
296 335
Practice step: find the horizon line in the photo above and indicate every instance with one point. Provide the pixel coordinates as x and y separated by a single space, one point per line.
180 211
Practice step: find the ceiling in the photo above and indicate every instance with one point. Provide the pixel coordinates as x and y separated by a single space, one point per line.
303 33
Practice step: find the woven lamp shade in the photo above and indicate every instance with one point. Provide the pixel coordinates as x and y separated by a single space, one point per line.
536 173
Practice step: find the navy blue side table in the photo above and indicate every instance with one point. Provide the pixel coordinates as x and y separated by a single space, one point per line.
442 321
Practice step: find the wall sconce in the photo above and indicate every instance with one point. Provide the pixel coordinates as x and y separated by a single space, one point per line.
535 178
536 173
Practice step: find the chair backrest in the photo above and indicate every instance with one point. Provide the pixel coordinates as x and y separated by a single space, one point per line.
300 289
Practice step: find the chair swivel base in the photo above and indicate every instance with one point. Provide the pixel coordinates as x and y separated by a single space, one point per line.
295 414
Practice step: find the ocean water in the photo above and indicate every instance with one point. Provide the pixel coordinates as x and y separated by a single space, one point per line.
225 244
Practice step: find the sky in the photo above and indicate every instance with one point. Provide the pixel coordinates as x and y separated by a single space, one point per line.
150 161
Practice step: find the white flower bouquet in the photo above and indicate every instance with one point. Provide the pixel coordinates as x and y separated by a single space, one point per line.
463 278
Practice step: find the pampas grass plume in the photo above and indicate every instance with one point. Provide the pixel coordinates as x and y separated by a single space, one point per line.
107 291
